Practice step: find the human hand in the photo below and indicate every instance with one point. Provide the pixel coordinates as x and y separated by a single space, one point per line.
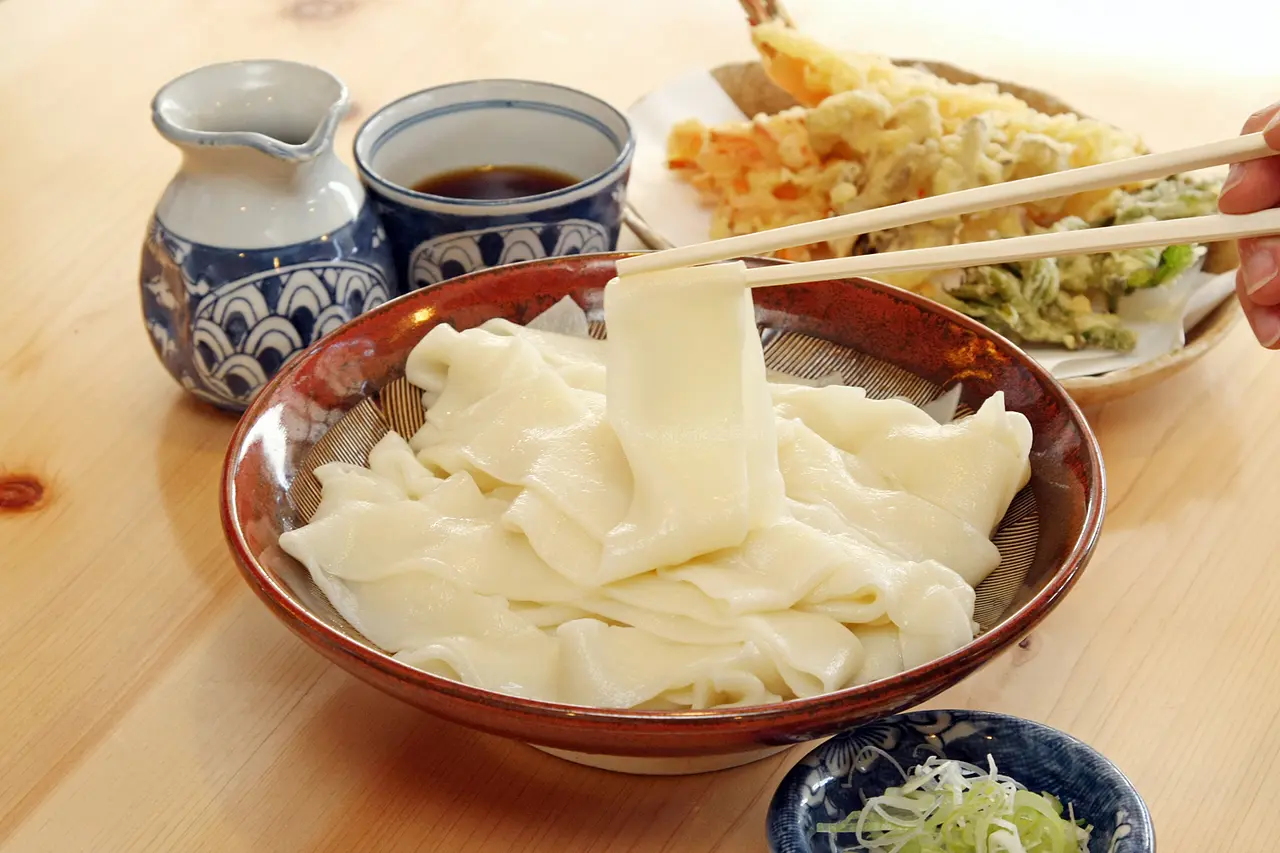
1251 187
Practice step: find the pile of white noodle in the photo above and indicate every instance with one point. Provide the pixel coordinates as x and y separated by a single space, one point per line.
646 522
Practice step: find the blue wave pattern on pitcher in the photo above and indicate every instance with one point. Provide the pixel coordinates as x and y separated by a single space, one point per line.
832 780
224 320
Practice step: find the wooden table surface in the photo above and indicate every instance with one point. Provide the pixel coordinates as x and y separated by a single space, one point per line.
149 702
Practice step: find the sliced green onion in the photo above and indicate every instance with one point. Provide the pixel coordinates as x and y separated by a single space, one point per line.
946 806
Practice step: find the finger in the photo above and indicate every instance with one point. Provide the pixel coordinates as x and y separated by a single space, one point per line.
1264 320
1260 269
1271 133
1246 174
1251 186
1259 120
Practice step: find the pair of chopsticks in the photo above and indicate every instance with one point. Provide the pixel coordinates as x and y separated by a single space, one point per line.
1196 229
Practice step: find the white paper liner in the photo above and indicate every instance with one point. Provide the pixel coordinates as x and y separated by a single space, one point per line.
1160 317
565 318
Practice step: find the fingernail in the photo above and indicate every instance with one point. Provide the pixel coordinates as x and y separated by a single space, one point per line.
1273 124
1259 268
1234 176
1265 110
1266 327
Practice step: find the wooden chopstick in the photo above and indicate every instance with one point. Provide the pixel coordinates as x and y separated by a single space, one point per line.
1069 182
1195 229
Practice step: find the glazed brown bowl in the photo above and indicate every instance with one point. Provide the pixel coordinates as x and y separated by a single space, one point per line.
314 390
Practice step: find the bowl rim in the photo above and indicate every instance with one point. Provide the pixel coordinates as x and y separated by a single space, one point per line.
915 682
793 787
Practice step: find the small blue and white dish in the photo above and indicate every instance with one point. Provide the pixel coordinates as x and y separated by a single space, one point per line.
833 780
483 123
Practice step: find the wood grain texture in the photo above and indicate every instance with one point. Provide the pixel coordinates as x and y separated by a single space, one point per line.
149 702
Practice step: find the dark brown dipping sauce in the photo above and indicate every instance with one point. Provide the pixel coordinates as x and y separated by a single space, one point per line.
495 182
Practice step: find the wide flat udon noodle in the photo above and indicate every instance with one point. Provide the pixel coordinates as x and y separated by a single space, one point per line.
693 416
518 466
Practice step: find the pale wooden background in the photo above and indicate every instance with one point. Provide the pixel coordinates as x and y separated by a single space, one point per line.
148 702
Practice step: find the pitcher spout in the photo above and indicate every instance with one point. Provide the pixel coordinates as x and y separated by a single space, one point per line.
287 110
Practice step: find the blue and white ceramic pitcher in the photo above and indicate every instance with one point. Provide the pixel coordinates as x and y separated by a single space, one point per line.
263 241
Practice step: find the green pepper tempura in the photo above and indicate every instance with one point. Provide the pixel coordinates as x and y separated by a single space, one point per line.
1071 301
954 807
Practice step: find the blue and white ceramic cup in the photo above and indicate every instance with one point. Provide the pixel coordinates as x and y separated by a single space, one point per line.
494 122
